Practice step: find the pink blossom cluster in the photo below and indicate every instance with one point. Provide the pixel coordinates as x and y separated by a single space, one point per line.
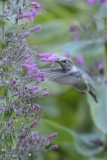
32 14
32 69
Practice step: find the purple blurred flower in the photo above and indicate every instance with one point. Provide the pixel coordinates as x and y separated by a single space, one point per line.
40 76
79 59
36 28
26 34
33 88
35 107
105 80
33 134
51 136
91 2
101 67
46 94
14 81
23 41
103 1
31 15
55 146
34 123
35 4
30 67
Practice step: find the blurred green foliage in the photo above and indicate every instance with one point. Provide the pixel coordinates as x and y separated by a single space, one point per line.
65 110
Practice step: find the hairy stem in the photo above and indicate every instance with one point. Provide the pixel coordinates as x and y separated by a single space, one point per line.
105 21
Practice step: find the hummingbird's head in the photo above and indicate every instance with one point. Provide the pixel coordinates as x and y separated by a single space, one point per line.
65 63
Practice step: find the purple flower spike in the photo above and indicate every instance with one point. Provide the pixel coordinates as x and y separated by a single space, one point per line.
50 137
36 28
34 123
55 146
35 4
29 15
91 2
79 59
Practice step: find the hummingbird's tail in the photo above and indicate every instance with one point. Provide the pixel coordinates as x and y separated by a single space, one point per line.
92 93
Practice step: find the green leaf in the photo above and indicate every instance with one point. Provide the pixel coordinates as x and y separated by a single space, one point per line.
89 145
84 46
64 135
99 110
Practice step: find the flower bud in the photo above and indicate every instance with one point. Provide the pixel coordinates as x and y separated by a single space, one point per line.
53 147
34 123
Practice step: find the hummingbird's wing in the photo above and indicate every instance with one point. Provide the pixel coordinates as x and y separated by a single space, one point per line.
67 78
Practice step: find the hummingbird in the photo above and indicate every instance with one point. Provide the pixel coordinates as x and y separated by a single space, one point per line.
69 74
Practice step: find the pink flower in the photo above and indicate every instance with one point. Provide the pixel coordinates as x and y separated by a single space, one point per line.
48 57
36 28
31 15
26 34
40 76
23 41
103 1
35 4
35 107
91 2
14 81
80 59
50 137
34 123
30 68
55 146
33 88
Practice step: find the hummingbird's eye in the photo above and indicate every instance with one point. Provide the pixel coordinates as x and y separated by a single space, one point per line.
64 61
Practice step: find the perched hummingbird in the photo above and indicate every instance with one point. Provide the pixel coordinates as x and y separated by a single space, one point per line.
69 74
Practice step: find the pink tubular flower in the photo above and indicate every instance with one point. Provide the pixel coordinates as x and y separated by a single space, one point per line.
48 57
80 59
34 123
36 28
33 88
35 107
29 15
50 137
35 4
91 2
55 146
26 34
30 68
40 76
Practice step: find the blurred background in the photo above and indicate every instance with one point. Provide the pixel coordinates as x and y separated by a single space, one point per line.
72 28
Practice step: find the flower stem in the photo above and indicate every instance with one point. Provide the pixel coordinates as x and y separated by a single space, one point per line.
3 31
105 21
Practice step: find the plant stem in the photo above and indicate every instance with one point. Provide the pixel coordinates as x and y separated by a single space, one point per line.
3 31
105 21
